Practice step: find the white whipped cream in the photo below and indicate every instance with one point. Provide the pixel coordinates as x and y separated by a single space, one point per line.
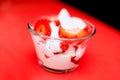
52 44
54 30
68 22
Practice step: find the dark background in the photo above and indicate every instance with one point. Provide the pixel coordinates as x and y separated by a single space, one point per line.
105 10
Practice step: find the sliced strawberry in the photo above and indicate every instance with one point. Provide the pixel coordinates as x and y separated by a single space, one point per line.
63 33
88 30
57 22
64 46
75 47
73 60
42 26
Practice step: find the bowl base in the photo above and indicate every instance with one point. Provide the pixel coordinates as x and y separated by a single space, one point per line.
56 70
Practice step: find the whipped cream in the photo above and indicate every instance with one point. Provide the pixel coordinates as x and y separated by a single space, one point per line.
68 22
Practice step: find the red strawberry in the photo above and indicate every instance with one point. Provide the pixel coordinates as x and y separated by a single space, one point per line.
75 47
64 46
88 30
42 26
57 22
73 60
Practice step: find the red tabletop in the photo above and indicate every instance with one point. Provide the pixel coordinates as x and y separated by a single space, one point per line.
18 60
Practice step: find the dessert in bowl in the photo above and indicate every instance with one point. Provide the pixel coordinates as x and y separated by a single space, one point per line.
60 41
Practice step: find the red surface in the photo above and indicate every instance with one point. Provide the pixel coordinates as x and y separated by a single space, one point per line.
18 60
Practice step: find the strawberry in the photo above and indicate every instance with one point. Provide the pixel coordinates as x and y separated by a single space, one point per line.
40 61
88 30
73 60
64 46
57 22
73 33
42 26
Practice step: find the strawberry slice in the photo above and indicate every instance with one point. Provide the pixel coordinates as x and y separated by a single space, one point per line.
88 30
73 60
42 26
71 33
64 46
57 22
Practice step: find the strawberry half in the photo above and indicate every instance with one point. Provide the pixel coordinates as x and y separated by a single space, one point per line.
71 33
42 26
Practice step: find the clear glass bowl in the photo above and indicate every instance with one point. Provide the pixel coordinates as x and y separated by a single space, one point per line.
49 54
